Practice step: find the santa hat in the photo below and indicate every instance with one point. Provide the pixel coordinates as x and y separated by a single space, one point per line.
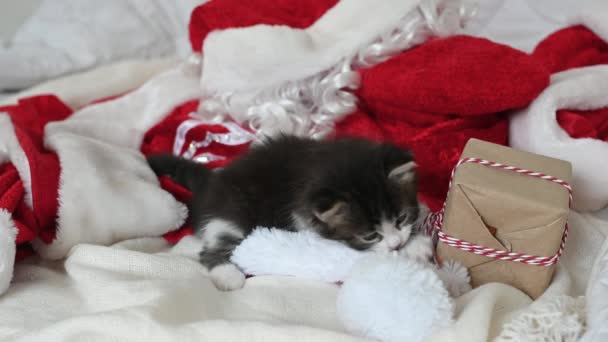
68 178
569 116
279 72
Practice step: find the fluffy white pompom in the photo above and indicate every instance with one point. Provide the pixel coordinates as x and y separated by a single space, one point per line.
393 299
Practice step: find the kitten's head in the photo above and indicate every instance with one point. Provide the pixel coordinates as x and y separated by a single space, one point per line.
368 198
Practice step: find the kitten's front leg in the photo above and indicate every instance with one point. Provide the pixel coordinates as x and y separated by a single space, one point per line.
220 238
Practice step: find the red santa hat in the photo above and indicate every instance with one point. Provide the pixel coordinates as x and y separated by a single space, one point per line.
568 120
68 178
275 71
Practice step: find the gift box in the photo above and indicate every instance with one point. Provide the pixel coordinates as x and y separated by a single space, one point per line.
505 216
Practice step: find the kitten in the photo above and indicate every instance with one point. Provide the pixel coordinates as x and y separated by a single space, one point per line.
355 191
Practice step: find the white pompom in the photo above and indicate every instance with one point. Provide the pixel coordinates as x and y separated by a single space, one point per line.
455 278
393 299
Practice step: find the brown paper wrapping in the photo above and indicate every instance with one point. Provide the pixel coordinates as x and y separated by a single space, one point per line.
526 214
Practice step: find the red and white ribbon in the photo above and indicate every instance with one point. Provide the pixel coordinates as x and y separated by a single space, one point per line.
235 136
433 223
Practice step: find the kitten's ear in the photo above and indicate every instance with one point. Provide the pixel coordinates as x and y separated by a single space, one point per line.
334 214
399 165
404 173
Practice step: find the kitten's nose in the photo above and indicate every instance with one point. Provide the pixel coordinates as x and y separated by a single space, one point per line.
393 242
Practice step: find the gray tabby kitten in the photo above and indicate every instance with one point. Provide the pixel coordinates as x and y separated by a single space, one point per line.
355 191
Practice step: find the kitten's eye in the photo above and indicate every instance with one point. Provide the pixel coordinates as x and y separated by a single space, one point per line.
371 237
401 220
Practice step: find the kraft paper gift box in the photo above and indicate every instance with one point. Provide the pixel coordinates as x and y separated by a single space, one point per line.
504 210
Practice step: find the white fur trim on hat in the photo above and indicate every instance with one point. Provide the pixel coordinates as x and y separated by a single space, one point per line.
11 150
107 192
249 58
536 129
8 248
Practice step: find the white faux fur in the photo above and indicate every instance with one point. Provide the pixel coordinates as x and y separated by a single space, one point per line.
107 192
302 254
242 59
8 234
393 299
536 129
11 150
307 255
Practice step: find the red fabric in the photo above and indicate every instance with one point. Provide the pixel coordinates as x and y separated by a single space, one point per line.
434 98
223 14
585 124
360 124
11 200
463 75
160 139
29 117
572 47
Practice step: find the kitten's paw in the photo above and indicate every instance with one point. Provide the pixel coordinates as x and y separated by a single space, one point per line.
420 249
455 277
227 277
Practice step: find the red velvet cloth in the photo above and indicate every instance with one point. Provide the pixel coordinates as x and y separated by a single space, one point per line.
223 14
434 98
29 117
571 47
585 124
11 200
457 75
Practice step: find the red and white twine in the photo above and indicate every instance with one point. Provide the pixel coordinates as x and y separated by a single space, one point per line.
433 223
